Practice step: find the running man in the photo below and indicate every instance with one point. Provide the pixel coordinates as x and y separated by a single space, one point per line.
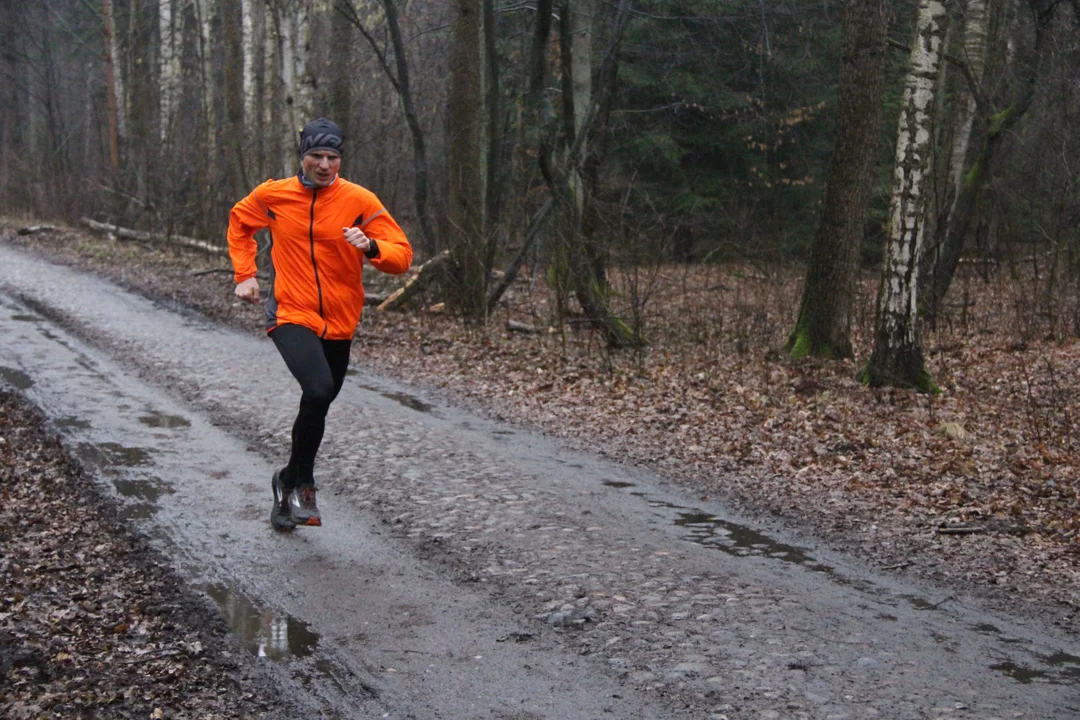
322 226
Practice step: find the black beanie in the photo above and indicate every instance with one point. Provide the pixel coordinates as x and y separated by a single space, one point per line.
321 134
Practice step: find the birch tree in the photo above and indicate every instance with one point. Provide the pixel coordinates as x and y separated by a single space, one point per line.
996 123
170 23
205 18
294 41
823 327
897 358
114 91
252 29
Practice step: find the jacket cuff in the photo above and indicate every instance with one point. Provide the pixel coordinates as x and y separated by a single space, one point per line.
373 251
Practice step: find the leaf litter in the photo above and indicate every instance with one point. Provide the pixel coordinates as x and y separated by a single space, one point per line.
93 622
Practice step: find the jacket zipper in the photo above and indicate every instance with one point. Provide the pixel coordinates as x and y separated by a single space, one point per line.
315 265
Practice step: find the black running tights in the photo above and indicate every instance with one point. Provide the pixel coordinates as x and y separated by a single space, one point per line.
319 366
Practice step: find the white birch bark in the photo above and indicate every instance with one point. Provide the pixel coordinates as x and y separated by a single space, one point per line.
206 9
897 339
303 101
271 84
119 92
287 49
170 20
250 41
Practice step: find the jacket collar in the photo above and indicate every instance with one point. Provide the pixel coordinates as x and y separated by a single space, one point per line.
310 185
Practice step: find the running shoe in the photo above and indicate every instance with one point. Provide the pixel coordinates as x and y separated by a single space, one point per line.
280 517
302 505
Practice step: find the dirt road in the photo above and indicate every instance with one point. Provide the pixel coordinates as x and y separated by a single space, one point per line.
471 570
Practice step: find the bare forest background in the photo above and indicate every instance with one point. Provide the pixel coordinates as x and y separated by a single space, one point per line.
589 141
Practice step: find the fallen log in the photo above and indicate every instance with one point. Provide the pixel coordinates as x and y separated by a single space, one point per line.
959 530
515 326
425 276
141 236
31 229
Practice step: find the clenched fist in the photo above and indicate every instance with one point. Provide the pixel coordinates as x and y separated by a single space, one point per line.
248 291
356 237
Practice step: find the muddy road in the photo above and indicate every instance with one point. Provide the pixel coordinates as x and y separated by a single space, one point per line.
468 569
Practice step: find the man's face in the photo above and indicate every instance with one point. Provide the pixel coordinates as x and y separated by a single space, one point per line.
321 167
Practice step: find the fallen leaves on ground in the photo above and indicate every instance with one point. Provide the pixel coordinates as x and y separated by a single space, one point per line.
92 623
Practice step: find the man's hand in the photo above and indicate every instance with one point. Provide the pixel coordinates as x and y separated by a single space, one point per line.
356 237
248 291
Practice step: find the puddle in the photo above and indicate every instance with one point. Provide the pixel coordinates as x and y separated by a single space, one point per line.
709 530
23 317
413 403
102 455
410 401
1060 669
161 420
71 422
920 603
263 632
137 511
1020 673
16 378
146 490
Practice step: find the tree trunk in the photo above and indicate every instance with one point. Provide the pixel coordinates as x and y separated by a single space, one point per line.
169 25
141 132
340 100
974 176
9 110
235 73
114 86
466 123
823 327
585 261
287 75
206 10
898 358
252 36
493 163
273 97
575 43
976 27
304 98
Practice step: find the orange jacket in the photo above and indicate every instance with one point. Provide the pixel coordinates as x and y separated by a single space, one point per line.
315 275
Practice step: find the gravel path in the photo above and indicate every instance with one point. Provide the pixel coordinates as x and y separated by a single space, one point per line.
613 576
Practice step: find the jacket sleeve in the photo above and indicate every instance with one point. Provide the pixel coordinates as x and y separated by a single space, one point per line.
395 253
246 218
